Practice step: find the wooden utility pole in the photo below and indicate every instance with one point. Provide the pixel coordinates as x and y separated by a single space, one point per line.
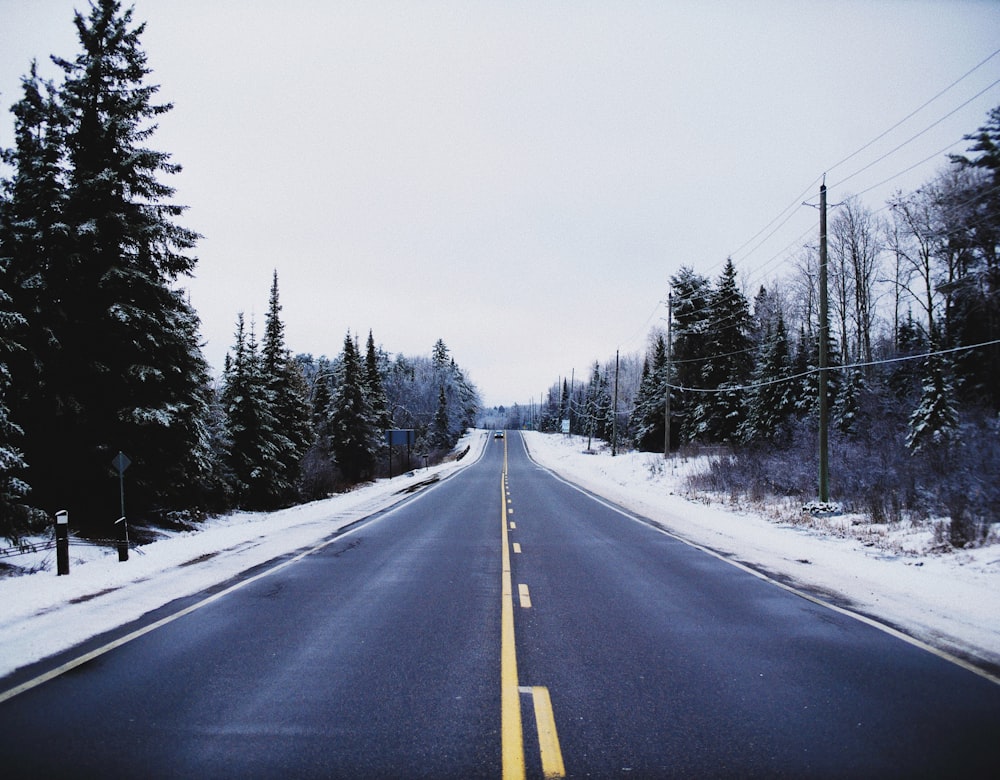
824 329
666 369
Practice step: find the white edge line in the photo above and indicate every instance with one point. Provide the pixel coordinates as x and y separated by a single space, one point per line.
78 661
870 621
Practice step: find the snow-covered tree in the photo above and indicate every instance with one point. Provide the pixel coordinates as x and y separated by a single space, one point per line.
691 324
375 386
287 395
261 481
122 369
354 436
771 401
727 361
934 423
650 405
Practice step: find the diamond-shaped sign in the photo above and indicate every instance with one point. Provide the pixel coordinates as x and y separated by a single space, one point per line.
121 462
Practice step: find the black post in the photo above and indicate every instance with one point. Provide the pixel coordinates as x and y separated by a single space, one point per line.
62 542
122 529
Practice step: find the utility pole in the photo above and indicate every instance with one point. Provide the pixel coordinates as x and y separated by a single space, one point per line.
614 413
824 329
666 400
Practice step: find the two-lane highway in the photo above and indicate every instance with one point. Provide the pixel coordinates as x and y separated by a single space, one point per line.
504 623
661 660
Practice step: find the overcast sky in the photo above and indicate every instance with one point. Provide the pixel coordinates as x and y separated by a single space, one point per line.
520 179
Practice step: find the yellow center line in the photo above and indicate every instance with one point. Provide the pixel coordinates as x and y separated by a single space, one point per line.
548 739
511 727
511 733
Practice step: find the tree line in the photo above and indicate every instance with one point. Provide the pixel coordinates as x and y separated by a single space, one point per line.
99 345
913 344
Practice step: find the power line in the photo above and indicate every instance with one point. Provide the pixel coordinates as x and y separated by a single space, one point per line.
802 374
915 111
914 137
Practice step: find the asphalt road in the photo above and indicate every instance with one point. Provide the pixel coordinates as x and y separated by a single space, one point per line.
504 621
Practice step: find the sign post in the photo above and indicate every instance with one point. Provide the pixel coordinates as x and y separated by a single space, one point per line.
121 462
395 436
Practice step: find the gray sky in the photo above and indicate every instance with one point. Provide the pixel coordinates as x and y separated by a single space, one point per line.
520 179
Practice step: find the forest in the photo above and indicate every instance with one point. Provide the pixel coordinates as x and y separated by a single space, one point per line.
913 346
100 352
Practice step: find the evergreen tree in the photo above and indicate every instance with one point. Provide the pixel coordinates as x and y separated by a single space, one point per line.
717 415
973 219
440 436
771 401
691 325
125 370
354 436
650 405
13 489
934 423
255 454
846 411
375 387
287 396
32 235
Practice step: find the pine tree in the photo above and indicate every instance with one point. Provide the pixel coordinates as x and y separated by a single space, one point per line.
13 489
650 404
691 330
934 423
255 455
375 387
287 396
32 235
440 435
727 364
354 436
771 401
127 372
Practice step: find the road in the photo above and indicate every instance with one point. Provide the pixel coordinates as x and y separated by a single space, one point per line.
503 623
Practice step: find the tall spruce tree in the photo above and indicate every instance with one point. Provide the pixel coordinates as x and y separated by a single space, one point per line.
32 236
287 396
933 425
650 403
728 361
771 401
125 371
354 437
255 453
375 387
691 324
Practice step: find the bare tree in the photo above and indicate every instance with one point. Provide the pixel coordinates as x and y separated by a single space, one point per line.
857 248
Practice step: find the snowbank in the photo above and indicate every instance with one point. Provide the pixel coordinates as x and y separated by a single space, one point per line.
948 600
42 614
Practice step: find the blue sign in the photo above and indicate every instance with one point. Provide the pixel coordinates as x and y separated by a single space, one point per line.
398 436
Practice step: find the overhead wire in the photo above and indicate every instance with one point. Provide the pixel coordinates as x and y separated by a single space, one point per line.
788 212
802 374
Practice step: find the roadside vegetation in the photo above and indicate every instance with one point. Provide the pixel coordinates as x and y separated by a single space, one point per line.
914 354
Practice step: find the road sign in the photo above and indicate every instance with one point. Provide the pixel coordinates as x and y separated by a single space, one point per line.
121 462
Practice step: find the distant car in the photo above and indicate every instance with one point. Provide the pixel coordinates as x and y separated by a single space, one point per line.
497 434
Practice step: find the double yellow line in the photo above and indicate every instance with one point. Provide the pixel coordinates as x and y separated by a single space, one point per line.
511 729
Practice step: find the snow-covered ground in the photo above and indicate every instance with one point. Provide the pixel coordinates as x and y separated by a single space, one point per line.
42 614
949 600
894 574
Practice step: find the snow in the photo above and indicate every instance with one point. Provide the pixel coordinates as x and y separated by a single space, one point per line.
43 614
948 600
894 574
